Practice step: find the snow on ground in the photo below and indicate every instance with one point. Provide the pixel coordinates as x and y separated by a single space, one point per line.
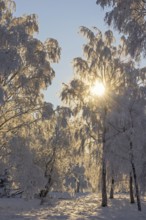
85 206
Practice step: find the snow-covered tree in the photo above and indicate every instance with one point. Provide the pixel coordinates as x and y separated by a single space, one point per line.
75 178
25 174
50 141
25 69
101 64
128 17
104 63
130 118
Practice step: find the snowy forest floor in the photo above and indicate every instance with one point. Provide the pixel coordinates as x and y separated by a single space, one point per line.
85 206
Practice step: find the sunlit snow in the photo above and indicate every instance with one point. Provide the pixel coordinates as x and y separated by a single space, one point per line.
80 207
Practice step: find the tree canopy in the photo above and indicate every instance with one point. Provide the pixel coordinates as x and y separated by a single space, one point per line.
128 17
25 68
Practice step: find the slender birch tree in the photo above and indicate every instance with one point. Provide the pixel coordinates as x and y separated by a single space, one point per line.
102 63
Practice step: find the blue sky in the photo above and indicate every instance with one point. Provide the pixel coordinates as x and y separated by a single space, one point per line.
61 19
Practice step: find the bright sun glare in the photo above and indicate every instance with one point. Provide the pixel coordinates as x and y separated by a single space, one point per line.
98 89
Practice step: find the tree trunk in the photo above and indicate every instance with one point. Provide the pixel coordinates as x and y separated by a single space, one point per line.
104 193
112 189
131 189
45 191
135 177
77 190
136 186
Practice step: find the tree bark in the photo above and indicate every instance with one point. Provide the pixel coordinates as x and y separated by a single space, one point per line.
131 189
112 189
135 177
77 190
104 192
136 186
44 192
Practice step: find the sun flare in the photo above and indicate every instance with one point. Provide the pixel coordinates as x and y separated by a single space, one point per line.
98 89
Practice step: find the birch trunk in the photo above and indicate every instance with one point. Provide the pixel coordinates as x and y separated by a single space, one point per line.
135 177
104 191
112 189
131 189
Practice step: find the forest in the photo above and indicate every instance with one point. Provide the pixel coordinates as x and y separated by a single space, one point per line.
95 141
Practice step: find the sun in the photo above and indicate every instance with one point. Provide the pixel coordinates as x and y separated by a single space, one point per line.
98 89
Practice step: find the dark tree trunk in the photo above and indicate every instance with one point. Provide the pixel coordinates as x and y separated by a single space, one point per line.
104 192
77 190
131 189
50 163
112 189
45 191
135 177
136 187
